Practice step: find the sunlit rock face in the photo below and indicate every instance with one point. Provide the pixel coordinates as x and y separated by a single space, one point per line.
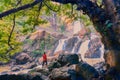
90 49
77 26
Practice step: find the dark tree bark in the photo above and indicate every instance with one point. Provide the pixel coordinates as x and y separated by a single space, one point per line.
6 13
112 7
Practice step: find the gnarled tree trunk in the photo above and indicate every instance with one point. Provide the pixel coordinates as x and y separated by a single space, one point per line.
112 7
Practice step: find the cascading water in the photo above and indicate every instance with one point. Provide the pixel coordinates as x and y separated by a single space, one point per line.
92 51
77 26
89 50
60 46
75 50
81 47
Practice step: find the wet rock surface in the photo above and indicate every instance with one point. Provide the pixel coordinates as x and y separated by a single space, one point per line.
23 58
87 71
68 59
60 74
16 68
54 64
22 67
65 67
64 59
100 67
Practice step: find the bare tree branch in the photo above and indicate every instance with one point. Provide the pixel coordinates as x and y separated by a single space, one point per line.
49 7
66 1
14 10
37 16
9 38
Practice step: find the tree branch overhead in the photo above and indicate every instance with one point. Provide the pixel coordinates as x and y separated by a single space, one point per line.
14 10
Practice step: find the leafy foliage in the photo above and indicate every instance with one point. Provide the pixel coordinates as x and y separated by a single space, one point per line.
5 51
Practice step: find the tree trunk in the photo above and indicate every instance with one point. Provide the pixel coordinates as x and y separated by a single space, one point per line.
112 7
109 28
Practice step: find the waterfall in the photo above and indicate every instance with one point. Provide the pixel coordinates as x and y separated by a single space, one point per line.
64 45
83 48
90 51
61 45
102 52
77 26
74 50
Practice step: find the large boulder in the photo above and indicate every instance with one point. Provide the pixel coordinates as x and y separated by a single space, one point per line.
40 70
65 73
23 58
100 67
23 67
64 59
86 70
54 64
61 73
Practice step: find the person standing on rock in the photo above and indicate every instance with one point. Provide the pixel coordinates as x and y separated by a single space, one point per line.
44 59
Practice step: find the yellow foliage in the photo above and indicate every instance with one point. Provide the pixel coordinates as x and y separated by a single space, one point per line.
2 22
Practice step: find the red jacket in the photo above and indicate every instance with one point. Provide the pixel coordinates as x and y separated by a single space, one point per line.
44 57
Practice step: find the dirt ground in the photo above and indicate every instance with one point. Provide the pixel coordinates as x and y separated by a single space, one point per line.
4 68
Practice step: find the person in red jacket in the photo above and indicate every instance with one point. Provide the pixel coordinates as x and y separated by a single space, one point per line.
44 59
